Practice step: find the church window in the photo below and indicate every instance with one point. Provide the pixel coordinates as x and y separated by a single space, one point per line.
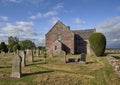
59 37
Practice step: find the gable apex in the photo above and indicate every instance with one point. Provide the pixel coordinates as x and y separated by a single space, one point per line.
57 23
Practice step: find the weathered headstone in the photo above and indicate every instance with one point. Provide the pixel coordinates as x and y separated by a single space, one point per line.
37 52
23 55
117 68
16 66
27 52
63 56
30 57
83 58
2 53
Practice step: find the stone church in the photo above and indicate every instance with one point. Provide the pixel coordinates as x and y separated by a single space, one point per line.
60 37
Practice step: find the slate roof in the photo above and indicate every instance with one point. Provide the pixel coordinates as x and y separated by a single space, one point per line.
84 33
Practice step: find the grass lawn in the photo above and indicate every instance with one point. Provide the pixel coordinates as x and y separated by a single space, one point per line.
97 71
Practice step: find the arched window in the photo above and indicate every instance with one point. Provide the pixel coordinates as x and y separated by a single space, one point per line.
59 37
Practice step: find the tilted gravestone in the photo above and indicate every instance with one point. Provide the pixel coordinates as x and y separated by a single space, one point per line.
23 55
16 66
83 58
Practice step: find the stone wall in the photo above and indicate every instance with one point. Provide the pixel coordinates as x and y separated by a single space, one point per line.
112 50
115 64
56 48
67 37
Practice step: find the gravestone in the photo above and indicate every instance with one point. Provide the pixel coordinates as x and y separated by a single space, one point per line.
16 66
23 58
27 52
37 52
117 68
83 58
30 57
63 56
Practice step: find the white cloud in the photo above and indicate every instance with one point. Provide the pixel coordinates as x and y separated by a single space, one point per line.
23 30
58 6
43 15
50 13
4 18
22 23
19 29
53 20
79 21
111 28
35 2
38 15
11 1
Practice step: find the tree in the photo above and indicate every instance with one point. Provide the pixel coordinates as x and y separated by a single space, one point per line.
27 44
16 47
3 47
41 47
11 42
97 43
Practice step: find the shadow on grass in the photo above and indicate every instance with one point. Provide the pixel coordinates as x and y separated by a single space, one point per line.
35 64
89 62
5 66
117 57
35 73
37 60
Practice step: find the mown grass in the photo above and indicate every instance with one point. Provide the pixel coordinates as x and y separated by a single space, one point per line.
97 71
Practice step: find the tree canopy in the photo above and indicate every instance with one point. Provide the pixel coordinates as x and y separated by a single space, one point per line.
16 47
11 42
27 44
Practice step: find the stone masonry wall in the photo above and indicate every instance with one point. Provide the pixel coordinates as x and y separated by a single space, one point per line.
67 37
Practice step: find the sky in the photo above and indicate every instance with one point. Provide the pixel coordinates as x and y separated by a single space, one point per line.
32 19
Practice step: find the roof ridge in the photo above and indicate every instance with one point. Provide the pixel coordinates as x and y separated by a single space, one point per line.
83 30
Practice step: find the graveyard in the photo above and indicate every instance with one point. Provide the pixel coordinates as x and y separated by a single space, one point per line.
54 71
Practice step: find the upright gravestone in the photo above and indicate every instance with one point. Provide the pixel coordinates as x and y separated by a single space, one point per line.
83 58
37 52
63 56
16 66
23 58
30 57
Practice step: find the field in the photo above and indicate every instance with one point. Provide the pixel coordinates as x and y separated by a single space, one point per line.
97 71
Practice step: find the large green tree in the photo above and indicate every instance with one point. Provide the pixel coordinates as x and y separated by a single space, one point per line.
11 42
27 44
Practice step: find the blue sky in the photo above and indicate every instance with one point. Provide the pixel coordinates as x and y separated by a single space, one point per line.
32 19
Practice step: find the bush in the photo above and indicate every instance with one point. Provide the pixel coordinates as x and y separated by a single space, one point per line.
97 43
3 47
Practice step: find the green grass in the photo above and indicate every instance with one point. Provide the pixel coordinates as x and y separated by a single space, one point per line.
97 71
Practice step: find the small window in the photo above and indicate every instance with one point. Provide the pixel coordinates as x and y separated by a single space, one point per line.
59 37
55 47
